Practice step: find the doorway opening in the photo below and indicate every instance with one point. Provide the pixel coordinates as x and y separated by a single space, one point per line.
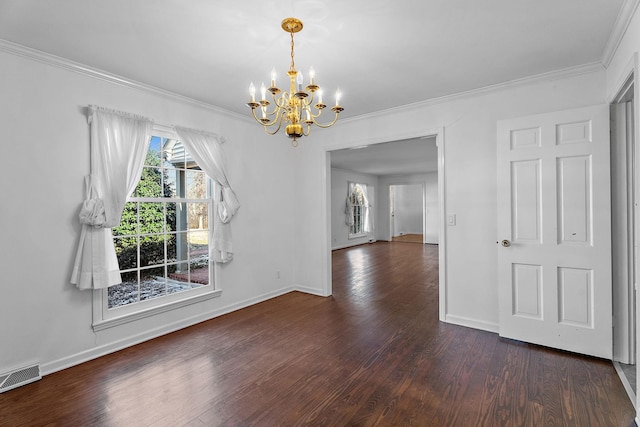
384 163
407 213
624 238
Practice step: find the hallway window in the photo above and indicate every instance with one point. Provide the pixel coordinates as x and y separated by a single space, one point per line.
357 210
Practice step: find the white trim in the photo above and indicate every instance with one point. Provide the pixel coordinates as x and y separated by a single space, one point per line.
57 61
336 248
93 353
327 280
593 67
625 383
442 235
152 311
472 323
622 79
623 20
310 291
76 67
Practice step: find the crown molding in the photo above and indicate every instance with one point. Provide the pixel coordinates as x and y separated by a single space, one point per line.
76 67
623 20
564 73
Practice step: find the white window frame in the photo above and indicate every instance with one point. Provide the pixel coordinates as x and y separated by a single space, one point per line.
104 318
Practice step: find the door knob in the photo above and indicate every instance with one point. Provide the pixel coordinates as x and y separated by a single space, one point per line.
505 243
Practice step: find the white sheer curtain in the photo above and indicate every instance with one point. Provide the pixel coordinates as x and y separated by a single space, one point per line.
119 144
348 210
206 150
367 222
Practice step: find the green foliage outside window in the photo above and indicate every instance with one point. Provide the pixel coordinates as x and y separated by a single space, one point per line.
150 218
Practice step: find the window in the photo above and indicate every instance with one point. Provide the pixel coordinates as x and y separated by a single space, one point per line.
357 202
162 241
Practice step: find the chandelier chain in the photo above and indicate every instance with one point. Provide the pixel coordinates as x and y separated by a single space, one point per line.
293 65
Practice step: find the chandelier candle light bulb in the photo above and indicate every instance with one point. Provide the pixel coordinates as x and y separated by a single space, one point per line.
252 92
288 107
300 80
263 91
312 75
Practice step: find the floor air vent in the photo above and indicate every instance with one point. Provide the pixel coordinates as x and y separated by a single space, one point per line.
19 377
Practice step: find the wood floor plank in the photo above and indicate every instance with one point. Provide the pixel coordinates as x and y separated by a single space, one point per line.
373 354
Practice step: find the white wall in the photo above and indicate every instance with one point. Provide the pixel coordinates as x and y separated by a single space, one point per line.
45 157
469 128
340 180
408 203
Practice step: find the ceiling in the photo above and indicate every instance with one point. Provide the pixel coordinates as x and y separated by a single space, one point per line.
381 54
411 156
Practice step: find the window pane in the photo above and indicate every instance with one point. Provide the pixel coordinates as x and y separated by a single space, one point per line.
172 216
198 245
173 154
178 248
128 222
170 183
198 216
152 219
196 185
127 252
124 293
152 283
151 250
154 153
150 184
179 223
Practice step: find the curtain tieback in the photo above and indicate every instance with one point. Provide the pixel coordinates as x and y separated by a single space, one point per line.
92 213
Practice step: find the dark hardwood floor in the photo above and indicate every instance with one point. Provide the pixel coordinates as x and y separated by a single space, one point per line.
372 354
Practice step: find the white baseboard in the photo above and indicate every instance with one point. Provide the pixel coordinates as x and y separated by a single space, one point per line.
93 353
350 245
472 323
625 383
311 291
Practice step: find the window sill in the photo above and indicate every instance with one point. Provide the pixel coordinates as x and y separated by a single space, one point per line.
117 321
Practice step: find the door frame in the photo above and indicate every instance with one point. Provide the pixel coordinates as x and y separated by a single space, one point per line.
631 71
423 207
325 207
623 283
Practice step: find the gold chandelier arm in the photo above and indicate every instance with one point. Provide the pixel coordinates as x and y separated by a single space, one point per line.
277 129
269 122
282 101
326 125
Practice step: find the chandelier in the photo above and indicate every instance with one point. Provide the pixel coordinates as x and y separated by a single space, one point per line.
294 107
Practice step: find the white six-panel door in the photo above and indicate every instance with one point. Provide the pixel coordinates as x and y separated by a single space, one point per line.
554 225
